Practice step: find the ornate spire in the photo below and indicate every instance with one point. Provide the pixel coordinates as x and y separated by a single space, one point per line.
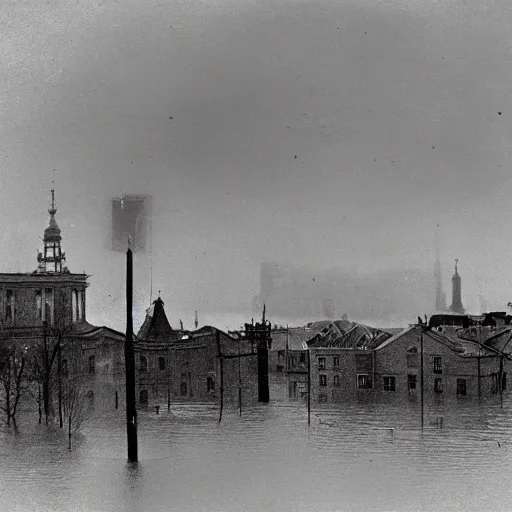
52 257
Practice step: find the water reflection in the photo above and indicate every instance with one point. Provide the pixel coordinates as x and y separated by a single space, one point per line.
354 457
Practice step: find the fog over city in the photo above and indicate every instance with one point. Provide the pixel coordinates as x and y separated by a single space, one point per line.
322 134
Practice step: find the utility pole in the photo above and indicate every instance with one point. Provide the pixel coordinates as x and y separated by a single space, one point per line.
259 334
309 386
131 411
421 379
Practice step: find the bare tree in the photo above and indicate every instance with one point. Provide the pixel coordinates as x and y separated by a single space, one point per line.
13 361
44 372
75 406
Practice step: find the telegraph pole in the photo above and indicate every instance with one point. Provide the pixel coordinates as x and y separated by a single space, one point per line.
131 411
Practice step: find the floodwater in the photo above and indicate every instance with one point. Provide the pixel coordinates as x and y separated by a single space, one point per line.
352 458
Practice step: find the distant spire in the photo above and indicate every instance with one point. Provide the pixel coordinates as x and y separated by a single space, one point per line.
440 296
456 306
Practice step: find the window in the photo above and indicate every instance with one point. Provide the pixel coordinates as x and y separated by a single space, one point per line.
161 363
364 381
336 361
77 305
302 357
461 387
411 382
210 385
9 306
337 380
92 364
438 385
322 398
412 358
280 356
323 380
64 368
438 364
321 363
39 304
48 305
183 389
495 386
389 383
143 396
143 364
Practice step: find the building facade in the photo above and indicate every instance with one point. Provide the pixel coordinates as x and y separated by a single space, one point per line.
205 365
45 312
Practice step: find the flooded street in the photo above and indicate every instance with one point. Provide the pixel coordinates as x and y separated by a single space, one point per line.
352 458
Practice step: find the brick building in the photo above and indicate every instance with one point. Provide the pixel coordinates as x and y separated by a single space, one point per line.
48 307
375 366
176 365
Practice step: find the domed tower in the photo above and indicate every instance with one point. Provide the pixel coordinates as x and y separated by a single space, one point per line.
456 306
52 257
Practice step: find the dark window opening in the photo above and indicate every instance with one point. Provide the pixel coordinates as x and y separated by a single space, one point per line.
412 381
336 361
9 306
321 363
143 396
389 383
364 381
461 387
210 385
438 385
143 364
323 380
302 357
161 363
183 389
336 380
438 364
92 364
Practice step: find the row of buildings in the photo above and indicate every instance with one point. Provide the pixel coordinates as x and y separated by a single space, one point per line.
451 356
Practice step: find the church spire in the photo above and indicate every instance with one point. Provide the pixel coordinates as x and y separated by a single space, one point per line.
52 257
440 296
456 306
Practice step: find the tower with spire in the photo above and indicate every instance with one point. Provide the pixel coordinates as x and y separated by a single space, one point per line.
456 306
52 257
440 296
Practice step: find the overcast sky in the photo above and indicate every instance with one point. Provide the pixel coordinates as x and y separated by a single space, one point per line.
326 133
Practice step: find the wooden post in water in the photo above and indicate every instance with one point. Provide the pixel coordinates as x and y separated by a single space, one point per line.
131 411
479 375
59 371
421 379
239 378
117 401
309 387
221 363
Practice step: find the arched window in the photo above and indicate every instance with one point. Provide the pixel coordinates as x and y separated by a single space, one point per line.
161 363
143 364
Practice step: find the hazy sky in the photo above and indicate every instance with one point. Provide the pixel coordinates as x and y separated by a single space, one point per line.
326 133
